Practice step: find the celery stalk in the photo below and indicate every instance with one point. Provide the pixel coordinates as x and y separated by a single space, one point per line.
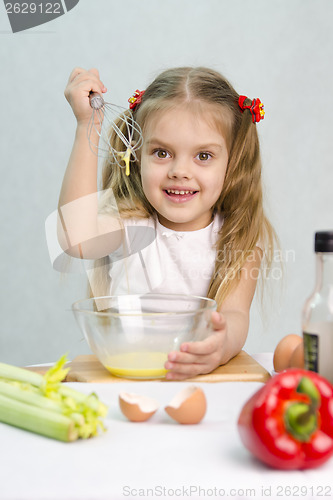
21 375
6 389
45 422
42 404
91 401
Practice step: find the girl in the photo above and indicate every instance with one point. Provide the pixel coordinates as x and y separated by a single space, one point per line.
196 183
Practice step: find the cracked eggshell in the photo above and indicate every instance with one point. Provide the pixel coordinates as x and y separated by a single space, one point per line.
188 406
137 408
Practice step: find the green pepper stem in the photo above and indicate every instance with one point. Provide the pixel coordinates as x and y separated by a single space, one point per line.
301 421
301 418
307 387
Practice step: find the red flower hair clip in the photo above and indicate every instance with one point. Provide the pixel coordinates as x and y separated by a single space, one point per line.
256 108
136 99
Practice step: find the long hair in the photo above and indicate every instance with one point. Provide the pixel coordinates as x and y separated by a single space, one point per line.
241 200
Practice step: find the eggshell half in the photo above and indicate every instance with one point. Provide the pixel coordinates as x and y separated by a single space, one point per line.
297 357
137 408
284 350
188 406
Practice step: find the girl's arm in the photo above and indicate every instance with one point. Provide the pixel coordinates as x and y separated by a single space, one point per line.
82 232
231 327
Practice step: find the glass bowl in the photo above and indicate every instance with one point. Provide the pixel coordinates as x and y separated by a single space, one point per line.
132 334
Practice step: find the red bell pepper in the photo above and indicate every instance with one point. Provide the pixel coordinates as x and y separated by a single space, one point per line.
288 423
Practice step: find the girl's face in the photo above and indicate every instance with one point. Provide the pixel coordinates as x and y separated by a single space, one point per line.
183 165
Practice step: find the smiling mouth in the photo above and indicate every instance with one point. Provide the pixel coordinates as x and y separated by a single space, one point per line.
175 191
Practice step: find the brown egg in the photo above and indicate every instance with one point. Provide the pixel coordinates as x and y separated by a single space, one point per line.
297 357
284 350
137 408
188 406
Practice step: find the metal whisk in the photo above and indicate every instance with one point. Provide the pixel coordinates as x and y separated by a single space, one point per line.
102 123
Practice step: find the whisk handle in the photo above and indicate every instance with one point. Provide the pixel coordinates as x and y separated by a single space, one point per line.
96 100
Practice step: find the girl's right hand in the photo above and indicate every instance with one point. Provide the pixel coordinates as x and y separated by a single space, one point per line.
81 82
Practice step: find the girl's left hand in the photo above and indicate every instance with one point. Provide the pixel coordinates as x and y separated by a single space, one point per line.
197 358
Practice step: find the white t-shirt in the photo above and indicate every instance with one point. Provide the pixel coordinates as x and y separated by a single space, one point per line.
160 260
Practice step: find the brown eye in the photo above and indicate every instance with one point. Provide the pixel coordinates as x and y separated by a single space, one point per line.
161 153
204 156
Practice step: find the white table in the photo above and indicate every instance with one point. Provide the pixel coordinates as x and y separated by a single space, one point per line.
155 459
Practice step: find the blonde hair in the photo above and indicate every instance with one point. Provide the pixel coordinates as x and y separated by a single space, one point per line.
241 199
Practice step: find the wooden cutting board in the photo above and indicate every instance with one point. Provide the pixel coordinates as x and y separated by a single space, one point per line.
242 368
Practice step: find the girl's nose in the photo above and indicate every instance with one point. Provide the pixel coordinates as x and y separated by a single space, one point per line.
179 169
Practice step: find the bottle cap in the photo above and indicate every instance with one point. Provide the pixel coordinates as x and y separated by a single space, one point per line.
324 241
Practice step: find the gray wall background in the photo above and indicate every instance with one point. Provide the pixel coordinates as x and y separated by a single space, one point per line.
280 51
